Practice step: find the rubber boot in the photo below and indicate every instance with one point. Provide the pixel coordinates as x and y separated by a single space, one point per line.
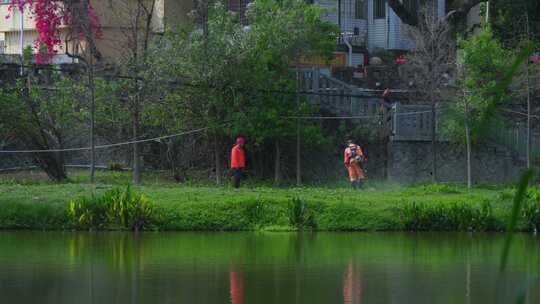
353 184
359 184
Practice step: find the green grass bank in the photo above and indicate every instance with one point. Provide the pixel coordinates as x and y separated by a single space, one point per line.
46 206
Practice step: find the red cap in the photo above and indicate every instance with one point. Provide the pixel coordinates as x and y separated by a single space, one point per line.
240 140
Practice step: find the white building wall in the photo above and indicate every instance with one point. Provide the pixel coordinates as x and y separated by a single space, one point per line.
357 59
399 31
377 29
388 33
348 20
13 41
395 39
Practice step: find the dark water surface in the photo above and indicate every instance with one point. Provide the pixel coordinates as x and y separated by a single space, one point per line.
238 268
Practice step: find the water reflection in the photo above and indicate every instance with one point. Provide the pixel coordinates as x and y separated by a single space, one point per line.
236 287
352 285
243 268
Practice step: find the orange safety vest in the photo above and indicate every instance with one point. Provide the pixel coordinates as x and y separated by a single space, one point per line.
238 158
347 155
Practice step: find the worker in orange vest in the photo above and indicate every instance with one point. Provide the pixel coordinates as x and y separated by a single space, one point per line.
238 160
354 158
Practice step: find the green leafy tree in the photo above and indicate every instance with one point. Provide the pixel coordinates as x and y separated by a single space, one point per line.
484 67
510 17
233 72
42 114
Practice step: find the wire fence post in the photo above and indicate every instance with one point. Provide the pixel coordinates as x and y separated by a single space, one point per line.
395 130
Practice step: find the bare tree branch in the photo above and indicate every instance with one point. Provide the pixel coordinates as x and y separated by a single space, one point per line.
411 18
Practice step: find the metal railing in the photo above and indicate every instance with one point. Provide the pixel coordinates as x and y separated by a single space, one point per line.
337 96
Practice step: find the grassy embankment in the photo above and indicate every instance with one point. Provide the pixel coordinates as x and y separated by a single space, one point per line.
42 205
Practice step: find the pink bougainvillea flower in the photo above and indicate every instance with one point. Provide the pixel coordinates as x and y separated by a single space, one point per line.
49 17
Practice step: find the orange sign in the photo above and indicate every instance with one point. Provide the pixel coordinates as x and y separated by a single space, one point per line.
340 59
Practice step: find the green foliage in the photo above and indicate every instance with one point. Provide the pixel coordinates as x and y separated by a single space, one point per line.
454 217
31 216
437 189
300 216
42 113
233 71
116 208
484 65
115 166
508 19
517 204
27 54
531 214
88 213
450 207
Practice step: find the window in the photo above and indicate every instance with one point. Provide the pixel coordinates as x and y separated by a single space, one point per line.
411 6
359 9
379 9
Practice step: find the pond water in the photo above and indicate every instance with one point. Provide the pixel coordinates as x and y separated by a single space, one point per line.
238 268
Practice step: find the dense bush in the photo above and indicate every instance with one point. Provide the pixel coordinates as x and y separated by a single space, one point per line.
115 208
436 189
300 216
531 209
42 206
31 216
455 217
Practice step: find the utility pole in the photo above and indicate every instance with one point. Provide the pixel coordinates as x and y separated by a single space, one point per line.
339 14
487 12
21 37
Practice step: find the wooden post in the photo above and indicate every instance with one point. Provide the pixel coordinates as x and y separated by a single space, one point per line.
395 131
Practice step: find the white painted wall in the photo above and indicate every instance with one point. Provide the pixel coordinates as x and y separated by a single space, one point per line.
388 33
348 20
377 29
13 42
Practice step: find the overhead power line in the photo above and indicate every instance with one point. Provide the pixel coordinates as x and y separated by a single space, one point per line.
106 146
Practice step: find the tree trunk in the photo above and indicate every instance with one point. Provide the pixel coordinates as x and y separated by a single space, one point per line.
529 121
53 165
217 159
433 140
298 156
528 84
136 156
277 163
92 121
468 140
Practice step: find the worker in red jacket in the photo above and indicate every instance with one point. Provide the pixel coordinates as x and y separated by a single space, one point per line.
238 160
353 157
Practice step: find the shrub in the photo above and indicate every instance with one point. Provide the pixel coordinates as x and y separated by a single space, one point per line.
531 214
457 216
115 166
31 216
88 212
116 207
300 215
435 189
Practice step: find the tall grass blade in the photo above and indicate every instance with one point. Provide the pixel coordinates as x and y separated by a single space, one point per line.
516 208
